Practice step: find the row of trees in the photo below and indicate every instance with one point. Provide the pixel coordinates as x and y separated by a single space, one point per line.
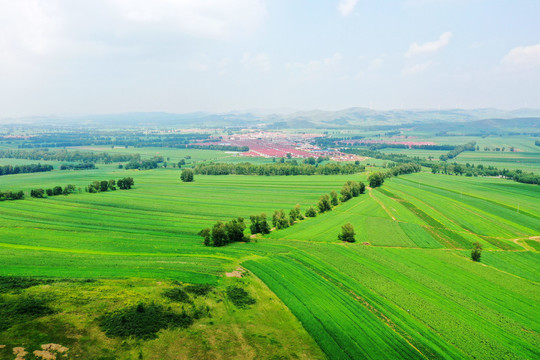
276 169
122 138
139 164
23 169
11 195
479 170
110 185
225 233
471 146
233 231
452 168
57 190
80 166
68 156
376 179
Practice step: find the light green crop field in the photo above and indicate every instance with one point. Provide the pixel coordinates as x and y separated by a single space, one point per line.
405 290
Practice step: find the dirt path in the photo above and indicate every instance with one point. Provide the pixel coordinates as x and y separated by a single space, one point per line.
382 205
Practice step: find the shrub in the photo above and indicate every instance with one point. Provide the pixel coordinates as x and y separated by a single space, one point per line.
21 309
177 294
186 175
239 297
311 212
199 289
8 283
142 321
476 252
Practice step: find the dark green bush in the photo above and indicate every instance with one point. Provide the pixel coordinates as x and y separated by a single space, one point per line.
199 289
239 297
8 283
20 309
177 294
142 321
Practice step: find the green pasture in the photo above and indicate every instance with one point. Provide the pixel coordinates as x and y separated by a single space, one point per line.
405 290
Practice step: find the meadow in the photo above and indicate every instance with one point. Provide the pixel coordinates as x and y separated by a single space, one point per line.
406 289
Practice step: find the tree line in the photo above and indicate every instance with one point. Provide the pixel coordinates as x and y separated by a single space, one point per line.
80 166
276 169
471 146
113 138
11 195
57 190
70 156
139 164
233 231
24 169
376 179
453 168
110 185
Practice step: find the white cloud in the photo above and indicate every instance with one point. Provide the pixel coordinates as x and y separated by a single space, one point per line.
200 18
418 68
429 47
376 63
315 67
346 7
522 58
258 61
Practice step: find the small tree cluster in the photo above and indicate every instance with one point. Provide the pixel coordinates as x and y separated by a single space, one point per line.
125 183
476 252
324 204
295 214
110 185
347 233
259 225
311 212
11 195
280 220
57 190
376 179
225 233
352 189
186 175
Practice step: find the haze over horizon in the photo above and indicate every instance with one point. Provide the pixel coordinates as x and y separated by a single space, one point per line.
115 56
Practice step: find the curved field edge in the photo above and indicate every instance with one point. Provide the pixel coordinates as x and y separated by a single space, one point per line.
422 300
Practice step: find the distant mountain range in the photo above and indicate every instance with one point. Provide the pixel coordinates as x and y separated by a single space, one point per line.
346 118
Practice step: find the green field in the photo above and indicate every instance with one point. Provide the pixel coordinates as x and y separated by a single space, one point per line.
406 289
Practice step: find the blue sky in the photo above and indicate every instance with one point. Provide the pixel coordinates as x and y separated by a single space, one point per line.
108 56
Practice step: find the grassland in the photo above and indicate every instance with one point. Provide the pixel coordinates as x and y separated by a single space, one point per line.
406 289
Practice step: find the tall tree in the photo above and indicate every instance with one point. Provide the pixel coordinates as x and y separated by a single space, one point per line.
347 233
476 252
186 175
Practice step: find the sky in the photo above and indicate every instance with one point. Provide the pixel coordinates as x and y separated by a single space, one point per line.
74 57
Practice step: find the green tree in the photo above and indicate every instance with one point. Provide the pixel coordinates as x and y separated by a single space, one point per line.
37 193
219 235
311 212
235 230
259 224
347 233
476 252
187 175
324 204
279 220
346 192
334 198
206 234
376 179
